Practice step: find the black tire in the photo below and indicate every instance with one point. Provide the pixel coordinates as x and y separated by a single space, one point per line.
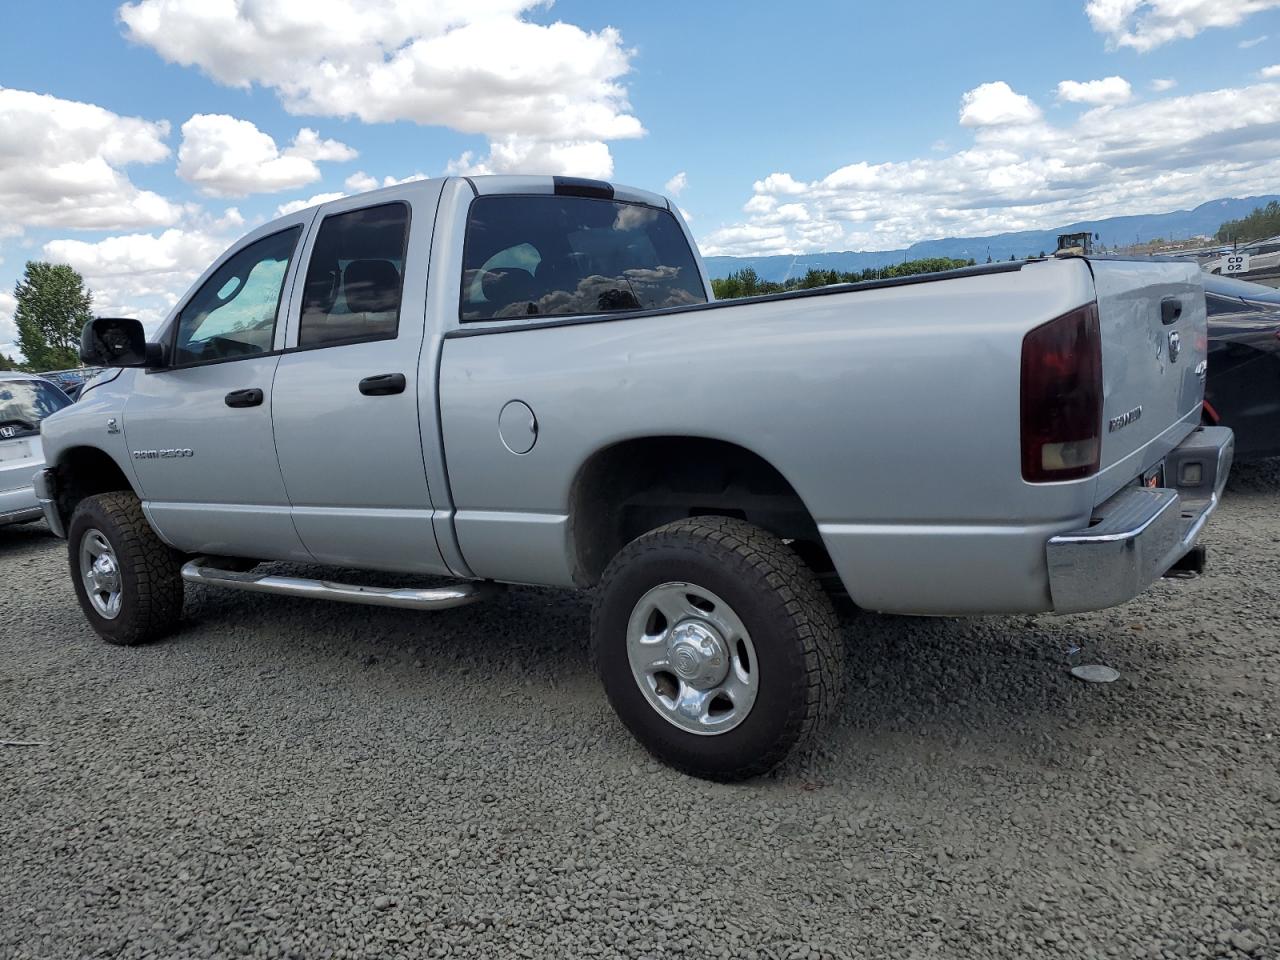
790 620
149 571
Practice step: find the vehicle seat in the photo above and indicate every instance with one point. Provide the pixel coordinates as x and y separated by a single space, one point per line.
510 291
371 292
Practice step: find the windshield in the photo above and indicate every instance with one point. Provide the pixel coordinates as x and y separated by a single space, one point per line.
24 403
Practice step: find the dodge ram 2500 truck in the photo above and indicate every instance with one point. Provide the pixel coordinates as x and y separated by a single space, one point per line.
525 380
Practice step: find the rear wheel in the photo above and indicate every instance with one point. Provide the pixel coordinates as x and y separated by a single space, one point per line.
126 579
717 647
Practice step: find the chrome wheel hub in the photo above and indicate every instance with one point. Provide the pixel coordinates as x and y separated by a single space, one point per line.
692 658
100 572
697 654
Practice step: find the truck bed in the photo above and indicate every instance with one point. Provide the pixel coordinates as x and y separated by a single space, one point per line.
892 409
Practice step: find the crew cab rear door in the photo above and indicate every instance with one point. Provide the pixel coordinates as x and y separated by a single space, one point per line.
346 399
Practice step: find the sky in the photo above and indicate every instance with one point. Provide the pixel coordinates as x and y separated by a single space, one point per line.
139 140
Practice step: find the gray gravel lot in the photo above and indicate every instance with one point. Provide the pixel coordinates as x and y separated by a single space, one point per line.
294 779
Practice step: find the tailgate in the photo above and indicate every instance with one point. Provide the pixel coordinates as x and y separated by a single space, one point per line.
1154 339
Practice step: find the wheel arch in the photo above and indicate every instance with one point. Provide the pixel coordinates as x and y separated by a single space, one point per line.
635 485
84 470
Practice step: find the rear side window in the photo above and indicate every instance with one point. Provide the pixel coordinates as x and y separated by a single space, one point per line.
355 277
234 313
534 256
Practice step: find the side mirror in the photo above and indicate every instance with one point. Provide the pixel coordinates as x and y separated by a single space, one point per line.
118 342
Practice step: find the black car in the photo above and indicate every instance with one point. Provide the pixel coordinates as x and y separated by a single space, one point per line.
1243 386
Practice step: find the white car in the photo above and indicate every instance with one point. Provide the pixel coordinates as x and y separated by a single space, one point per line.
25 400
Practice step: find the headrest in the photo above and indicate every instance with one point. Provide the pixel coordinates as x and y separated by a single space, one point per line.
507 285
371 286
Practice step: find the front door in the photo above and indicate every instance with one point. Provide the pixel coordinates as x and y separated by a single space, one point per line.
345 403
199 430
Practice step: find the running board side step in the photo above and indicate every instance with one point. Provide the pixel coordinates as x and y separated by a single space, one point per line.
407 598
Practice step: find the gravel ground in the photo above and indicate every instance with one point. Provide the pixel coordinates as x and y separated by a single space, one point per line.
294 779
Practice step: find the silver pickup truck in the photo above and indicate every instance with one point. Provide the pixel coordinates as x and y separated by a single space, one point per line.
525 380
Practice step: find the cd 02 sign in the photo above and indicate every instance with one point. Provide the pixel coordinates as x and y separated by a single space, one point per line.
1235 263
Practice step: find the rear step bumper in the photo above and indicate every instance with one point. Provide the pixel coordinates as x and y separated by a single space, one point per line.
409 598
1140 533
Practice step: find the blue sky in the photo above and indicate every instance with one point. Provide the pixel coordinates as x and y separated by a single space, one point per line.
138 140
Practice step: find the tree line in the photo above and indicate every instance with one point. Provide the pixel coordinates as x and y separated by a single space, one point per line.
1262 223
747 283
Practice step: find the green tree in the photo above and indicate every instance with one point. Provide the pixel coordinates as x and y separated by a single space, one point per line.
747 283
1262 223
53 305
8 363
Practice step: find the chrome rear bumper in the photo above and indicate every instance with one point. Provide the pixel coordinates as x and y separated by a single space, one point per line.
1141 532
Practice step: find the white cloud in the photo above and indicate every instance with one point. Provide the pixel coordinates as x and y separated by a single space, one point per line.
1147 24
549 96
584 158
360 182
996 104
293 206
1270 73
675 186
688 217
308 145
224 156
1140 157
141 274
777 184
231 217
1252 42
1161 85
8 329
62 165
1107 91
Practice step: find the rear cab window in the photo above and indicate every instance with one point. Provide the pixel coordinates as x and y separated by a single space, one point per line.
555 256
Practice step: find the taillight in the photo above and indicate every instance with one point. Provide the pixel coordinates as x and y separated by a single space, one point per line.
1062 398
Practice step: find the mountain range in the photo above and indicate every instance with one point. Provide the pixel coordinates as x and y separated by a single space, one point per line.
1204 220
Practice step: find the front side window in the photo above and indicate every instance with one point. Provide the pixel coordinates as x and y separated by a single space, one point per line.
534 256
234 313
24 403
354 281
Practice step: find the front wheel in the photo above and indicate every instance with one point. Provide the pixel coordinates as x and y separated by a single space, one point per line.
716 646
127 580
